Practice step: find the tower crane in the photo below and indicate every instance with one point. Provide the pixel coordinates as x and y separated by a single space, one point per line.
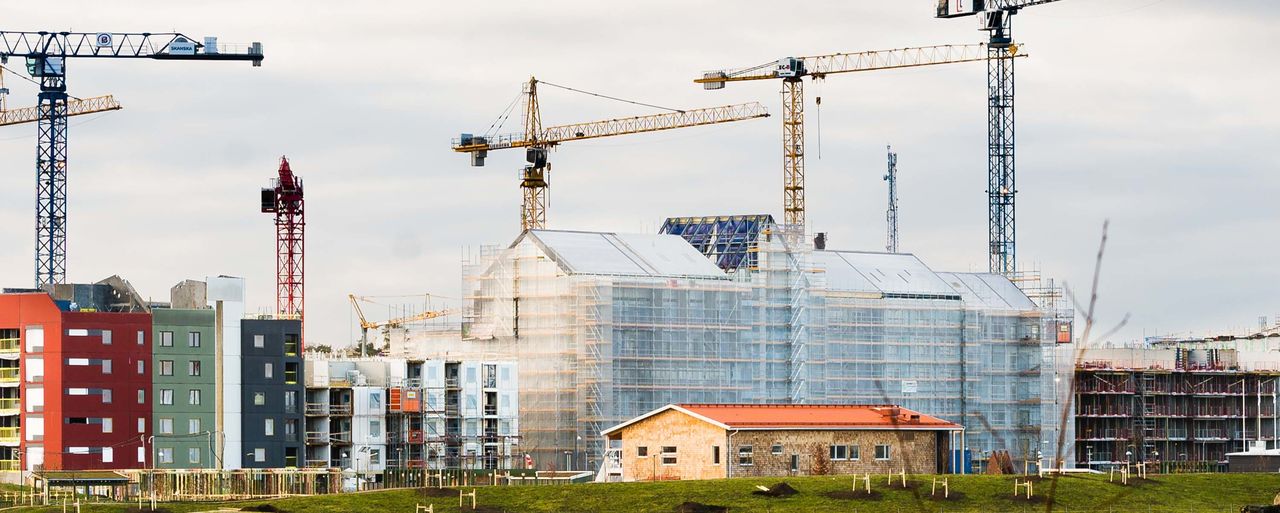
996 17
891 215
791 71
535 178
366 325
46 55
284 199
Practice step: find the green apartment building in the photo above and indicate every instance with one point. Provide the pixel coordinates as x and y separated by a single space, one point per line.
185 395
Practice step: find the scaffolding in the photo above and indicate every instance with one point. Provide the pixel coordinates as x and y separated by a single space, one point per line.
607 327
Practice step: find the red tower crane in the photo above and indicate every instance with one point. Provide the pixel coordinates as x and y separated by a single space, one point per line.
284 199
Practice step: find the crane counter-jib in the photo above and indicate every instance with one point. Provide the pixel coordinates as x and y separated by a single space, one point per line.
554 135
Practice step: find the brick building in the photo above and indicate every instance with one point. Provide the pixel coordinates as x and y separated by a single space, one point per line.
709 441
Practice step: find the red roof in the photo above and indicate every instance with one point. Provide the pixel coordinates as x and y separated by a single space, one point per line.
814 416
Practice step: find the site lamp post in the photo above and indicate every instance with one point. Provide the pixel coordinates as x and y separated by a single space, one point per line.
1155 454
576 457
568 462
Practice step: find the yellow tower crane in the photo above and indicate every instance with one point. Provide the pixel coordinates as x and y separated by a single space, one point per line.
366 325
792 69
535 178
75 107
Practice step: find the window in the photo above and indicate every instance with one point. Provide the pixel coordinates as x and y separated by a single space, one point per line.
375 456
106 366
259 341
839 453
375 400
142 367
166 426
642 452
142 455
375 428
193 455
193 368
106 396
268 370
744 456
193 396
107 425
166 396
882 452
193 426
106 337
166 367
166 455
260 455
854 453
776 449
668 455
109 453
142 424
193 340
166 339
715 455
259 399
290 401
269 427
142 337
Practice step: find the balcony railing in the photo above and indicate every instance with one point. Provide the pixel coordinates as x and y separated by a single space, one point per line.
9 435
490 410
317 463
9 375
10 465
340 409
317 408
316 437
10 405
340 438
10 345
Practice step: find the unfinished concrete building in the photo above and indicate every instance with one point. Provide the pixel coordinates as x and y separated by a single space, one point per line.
1184 404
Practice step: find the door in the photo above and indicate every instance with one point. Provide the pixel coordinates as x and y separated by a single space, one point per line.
795 463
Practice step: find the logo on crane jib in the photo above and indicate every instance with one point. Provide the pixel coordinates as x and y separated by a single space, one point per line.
104 40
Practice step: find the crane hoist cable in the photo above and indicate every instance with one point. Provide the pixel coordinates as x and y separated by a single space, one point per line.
614 98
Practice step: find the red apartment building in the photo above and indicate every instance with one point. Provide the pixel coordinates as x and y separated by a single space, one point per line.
74 385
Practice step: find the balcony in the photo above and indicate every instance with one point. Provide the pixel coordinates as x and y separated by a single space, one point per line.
9 375
451 382
490 410
340 438
10 345
10 405
10 465
317 409
317 463
339 409
316 437
9 436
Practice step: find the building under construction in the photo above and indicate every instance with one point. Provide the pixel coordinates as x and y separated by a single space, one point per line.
608 326
1184 404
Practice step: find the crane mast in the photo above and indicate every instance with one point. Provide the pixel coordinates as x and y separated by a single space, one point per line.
535 177
284 199
46 54
996 17
891 215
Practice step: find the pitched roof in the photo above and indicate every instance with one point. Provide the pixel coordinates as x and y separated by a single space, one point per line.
624 254
804 416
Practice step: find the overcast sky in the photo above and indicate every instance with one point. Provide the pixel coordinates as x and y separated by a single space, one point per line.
1158 115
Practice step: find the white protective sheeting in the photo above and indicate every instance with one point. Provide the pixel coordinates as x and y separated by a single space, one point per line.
891 273
988 291
625 254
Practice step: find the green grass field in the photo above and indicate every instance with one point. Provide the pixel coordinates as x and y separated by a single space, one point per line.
1173 493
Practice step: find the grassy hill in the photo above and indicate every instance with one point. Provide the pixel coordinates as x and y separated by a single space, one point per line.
1185 493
